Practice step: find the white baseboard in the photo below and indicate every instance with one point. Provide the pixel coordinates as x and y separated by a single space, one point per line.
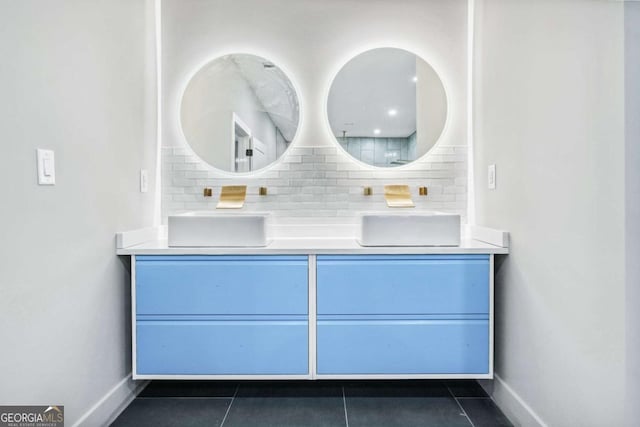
511 404
107 409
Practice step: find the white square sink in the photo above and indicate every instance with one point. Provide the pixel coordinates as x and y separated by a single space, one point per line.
409 229
214 229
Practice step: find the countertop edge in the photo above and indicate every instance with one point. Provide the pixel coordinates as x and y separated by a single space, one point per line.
313 247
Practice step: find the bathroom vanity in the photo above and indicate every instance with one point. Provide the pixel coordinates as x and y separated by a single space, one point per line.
220 297
312 308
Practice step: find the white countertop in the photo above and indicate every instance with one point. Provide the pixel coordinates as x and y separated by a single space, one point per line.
312 246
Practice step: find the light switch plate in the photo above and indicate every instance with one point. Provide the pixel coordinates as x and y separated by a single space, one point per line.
144 180
46 167
491 177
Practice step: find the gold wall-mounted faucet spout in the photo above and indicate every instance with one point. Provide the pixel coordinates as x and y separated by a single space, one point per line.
398 196
232 197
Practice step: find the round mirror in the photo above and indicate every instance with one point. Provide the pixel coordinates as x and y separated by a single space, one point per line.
387 107
239 112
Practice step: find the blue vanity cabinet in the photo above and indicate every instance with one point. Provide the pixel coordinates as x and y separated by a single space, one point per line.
221 315
403 315
246 316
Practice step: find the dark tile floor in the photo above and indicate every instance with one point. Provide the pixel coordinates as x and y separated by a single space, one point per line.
312 403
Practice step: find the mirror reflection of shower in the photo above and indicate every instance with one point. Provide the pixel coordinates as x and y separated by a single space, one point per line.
387 107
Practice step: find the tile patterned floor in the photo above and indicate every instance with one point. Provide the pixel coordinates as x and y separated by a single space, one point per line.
314 404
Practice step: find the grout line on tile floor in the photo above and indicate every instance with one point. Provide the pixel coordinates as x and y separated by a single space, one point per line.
226 414
460 406
471 397
344 402
186 397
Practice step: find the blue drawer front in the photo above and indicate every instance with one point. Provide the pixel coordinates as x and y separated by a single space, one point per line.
222 347
403 284
403 347
221 284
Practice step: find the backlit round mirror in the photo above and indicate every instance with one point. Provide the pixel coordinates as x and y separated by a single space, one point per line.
239 112
387 107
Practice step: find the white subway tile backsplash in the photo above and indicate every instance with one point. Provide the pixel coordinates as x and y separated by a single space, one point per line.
290 158
280 182
312 182
184 198
362 175
314 189
313 159
281 166
184 182
443 166
192 190
182 151
301 151
332 196
177 166
269 174
180 159
174 190
452 189
196 174
326 166
317 182
432 190
337 174
446 150
349 166
338 190
325 151
301 166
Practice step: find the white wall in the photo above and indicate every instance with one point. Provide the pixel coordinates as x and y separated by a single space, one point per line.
74 78
549 111
311 40
632 207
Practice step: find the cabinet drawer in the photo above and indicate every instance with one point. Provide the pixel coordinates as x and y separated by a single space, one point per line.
222 347
403 284
221 284
403 347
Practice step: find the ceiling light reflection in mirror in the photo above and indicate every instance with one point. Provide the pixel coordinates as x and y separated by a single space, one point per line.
387 107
